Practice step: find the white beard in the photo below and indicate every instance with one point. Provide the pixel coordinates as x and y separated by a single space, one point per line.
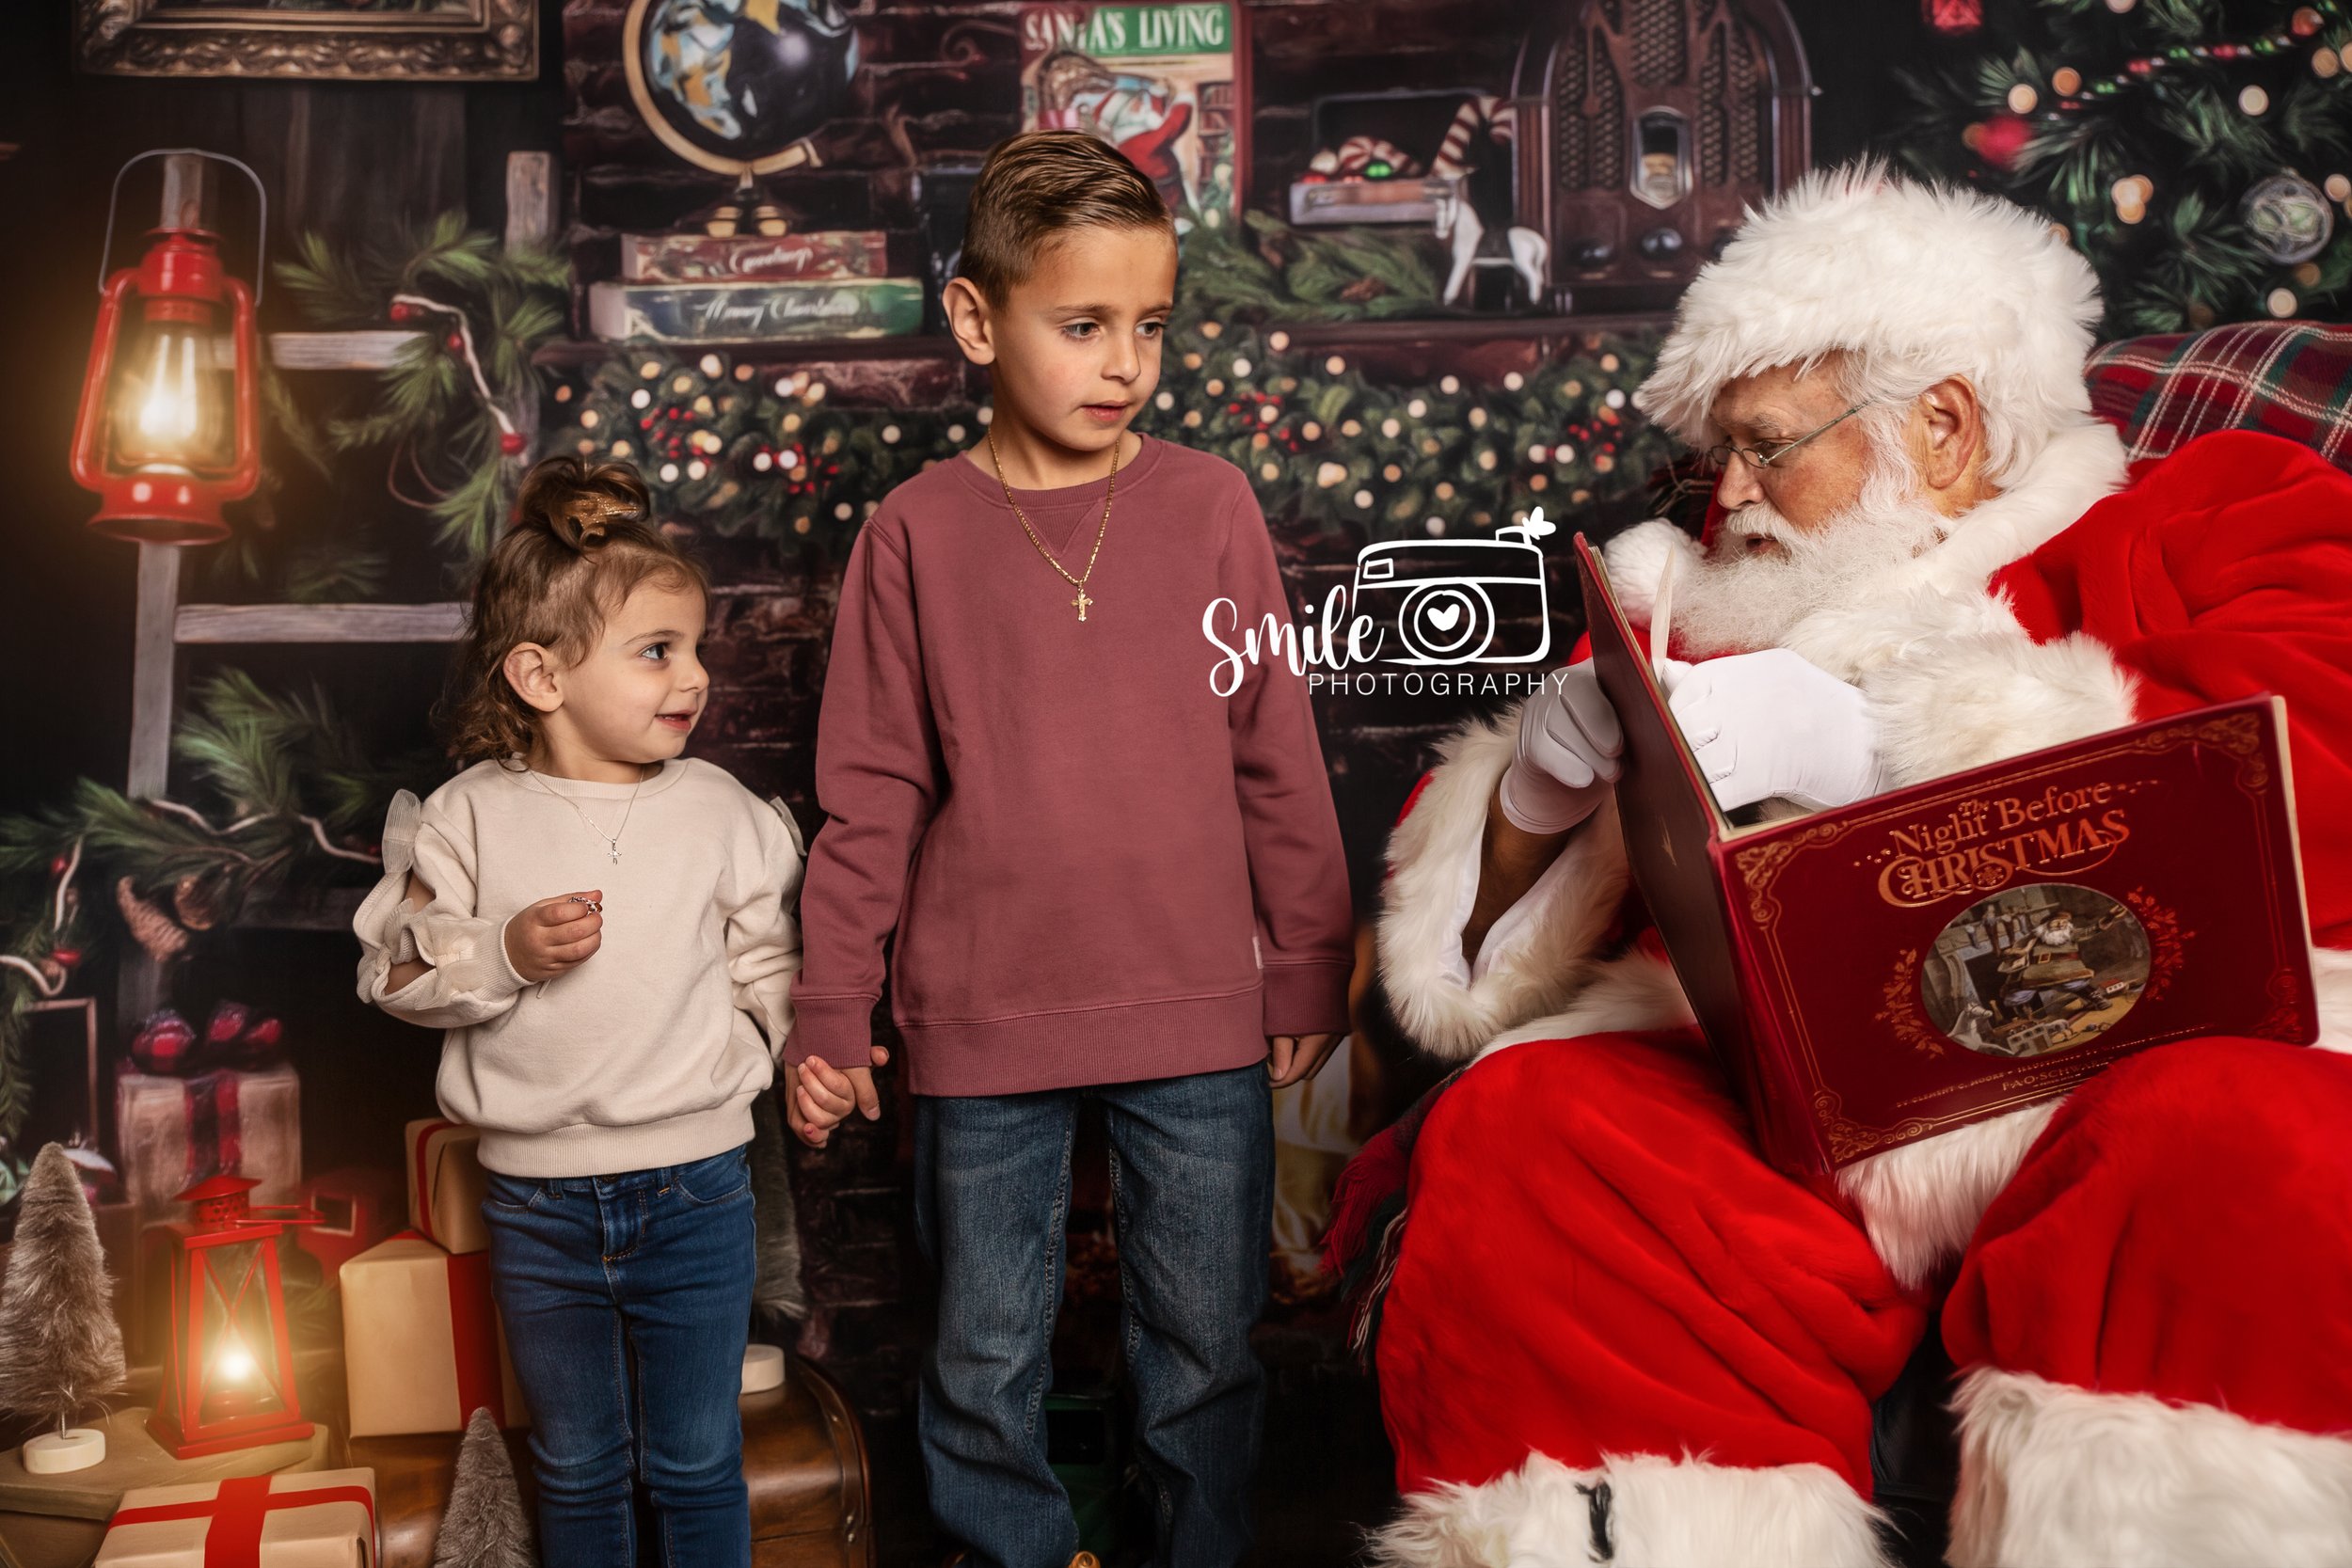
1745 599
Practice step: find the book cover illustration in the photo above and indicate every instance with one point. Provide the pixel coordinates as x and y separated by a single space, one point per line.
1956 949
1160 83
754 312
710 257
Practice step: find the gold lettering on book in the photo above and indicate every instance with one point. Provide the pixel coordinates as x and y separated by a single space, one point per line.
1978 845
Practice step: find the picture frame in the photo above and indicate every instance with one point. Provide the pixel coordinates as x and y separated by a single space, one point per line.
429 40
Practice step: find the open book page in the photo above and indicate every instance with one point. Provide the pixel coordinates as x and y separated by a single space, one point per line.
1662 621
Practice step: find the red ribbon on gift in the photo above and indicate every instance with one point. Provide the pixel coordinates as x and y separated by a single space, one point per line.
473 1332
424 1191
239 1510
473 1325
216 1136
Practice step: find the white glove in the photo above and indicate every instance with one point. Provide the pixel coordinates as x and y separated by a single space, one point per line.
1569 741
1771 725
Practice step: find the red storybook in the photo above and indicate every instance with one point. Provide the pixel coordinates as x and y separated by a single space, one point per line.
1904 965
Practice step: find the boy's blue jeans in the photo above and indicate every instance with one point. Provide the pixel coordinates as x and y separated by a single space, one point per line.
1192 1184
627 1300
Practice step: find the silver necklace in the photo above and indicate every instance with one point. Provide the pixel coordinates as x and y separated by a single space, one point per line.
612 839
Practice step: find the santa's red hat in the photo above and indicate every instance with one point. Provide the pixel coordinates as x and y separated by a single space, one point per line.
1923 280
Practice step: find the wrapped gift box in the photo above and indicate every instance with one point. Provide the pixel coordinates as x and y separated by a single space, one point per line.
358 1207
326 1519
446 1185
171 1132
422 1345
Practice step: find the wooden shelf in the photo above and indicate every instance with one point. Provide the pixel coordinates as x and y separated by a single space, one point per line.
1459 329
374 349
318 623
575 354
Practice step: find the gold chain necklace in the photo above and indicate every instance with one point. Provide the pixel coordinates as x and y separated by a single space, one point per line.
1079 582
612 839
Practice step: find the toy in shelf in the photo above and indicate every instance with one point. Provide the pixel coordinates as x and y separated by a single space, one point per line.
1360 172
1485 122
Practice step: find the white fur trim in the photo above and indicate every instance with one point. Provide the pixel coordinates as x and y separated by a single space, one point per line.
1943 592
1953 680
2053 1476
1951 703
1636 991
1532 969
1921 1202
1950 281
1637 560
2331 983
1664 1514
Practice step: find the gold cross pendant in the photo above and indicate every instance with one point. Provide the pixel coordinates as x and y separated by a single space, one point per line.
1082 601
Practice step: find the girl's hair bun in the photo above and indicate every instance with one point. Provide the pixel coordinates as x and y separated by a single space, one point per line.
578 501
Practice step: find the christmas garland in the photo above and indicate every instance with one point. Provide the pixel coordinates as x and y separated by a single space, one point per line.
2205 173
285 791
727 450
457 409
734 452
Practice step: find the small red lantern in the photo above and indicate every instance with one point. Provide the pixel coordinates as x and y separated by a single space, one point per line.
170 423
229 1365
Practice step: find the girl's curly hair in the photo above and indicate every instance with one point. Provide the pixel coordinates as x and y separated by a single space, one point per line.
583 539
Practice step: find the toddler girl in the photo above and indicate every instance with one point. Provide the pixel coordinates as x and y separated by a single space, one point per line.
604 929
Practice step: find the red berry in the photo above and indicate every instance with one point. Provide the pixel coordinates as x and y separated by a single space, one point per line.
510 442
56 867
2004 138
66 957
454 342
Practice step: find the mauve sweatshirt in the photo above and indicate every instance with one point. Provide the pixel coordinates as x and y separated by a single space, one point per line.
1098 868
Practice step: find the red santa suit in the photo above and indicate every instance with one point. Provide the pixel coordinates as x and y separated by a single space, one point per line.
1614 1332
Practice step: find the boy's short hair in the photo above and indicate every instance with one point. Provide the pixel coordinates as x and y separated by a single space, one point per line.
1040 185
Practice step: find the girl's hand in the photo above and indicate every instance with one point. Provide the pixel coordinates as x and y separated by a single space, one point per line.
545 939
819 1096
1295 1058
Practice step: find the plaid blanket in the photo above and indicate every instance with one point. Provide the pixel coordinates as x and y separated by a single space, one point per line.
2288 378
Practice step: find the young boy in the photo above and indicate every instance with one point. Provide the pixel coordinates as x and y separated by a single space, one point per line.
1108 881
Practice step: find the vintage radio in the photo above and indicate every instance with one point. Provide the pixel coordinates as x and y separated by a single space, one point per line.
1646 127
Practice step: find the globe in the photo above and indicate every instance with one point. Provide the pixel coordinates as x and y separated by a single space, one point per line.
731 83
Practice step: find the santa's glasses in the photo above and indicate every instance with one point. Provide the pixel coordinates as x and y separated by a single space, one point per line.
1718 458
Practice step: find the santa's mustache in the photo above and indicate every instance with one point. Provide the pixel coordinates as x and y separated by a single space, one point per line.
1764 574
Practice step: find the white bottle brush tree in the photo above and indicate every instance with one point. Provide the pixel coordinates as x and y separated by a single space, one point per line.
60 1348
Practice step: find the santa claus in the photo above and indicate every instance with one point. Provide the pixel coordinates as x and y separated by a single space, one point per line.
1612 1332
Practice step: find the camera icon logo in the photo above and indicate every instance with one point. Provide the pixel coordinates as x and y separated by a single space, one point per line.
1453 600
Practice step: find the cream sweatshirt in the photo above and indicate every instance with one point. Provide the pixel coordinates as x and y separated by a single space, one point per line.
649 1053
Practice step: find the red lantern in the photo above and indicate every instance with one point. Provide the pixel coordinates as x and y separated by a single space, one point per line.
170 423
229 1365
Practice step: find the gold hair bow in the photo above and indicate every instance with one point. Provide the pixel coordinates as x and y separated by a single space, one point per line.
595 513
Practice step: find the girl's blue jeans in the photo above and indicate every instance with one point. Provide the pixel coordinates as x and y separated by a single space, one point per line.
1192 1183
627 1300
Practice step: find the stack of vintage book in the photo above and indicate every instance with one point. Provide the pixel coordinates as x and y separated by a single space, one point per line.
754 288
